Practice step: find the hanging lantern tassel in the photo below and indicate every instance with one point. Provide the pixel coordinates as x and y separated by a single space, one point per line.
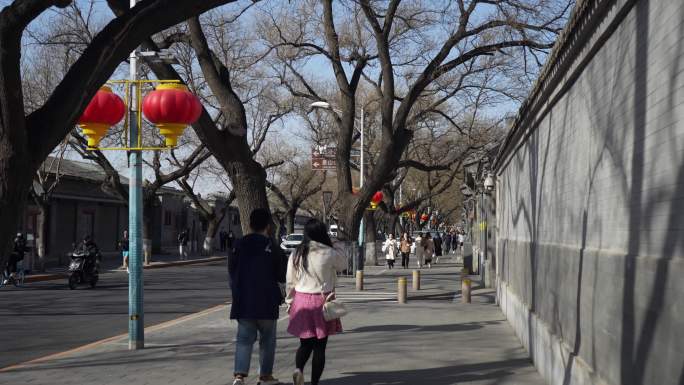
171 107
104 110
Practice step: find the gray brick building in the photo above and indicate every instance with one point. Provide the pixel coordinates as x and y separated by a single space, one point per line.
78 205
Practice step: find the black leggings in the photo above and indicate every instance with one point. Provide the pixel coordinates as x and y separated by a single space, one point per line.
306 346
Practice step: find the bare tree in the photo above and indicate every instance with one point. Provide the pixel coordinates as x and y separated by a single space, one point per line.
211 214
26 138
416 57
44 184
295 183
226 134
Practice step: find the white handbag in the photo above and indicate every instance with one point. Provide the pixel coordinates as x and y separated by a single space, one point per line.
332 308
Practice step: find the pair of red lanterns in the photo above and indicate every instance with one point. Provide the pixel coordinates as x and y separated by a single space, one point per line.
171 107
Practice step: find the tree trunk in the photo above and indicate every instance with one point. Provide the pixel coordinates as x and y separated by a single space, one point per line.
212 229
279 226
394 224
290 219
249 183
14 187
370 238
41 238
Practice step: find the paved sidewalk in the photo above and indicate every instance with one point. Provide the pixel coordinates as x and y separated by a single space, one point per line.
433 339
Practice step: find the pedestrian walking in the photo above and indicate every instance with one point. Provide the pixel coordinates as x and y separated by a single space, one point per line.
123 245
390 250
460 240
446 244
438 247
428 249
405 249
222 239
257 269
420 250
183 244
311 277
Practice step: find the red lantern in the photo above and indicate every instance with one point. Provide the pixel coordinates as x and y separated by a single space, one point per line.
424 217
377 197
104 110
171 107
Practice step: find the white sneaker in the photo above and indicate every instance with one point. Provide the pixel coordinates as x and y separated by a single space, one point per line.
238 381
298 377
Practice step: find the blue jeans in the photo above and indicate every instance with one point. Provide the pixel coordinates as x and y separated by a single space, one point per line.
246 336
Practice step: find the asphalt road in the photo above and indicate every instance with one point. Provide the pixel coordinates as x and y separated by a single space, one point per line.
46 317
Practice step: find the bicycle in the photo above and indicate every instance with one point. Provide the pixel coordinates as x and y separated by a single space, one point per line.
19 276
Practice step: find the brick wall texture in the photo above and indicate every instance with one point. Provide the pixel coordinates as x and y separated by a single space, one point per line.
590 207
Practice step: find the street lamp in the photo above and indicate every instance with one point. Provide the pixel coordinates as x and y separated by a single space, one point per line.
328 106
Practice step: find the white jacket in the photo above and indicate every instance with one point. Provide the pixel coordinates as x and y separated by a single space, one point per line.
323 264
390 249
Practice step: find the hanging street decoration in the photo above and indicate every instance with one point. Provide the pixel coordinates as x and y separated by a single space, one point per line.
106 109
171 107
375 201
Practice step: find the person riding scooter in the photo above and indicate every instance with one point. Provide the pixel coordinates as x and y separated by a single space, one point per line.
16 256
84 263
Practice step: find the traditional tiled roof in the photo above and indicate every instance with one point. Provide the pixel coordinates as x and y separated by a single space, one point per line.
77 169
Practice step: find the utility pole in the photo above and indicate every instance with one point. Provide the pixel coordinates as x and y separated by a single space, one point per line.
362 227
136 325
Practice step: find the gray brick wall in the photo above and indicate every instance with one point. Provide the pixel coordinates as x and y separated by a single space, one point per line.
591 209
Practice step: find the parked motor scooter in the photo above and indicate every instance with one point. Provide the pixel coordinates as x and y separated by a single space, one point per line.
83 268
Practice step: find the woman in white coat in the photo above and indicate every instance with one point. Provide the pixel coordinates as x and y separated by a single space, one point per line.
311 277
420 251
390 250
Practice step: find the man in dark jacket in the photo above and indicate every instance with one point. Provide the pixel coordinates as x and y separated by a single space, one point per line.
257 266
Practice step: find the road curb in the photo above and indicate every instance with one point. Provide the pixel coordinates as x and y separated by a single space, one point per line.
161 265
158 265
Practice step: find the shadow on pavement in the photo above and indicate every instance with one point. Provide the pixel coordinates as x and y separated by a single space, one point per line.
448 375
419 328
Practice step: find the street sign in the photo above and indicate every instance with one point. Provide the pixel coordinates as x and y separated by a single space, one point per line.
323 158
324 152
321 164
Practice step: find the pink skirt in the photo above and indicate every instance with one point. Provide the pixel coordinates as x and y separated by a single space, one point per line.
306 317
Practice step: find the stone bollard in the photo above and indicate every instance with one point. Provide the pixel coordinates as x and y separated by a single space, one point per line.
401 290
465 290
359 280
416 280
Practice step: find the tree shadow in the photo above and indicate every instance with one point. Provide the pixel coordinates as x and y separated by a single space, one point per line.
448 375
423 328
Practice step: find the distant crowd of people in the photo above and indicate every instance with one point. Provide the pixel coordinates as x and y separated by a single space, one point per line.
426 246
